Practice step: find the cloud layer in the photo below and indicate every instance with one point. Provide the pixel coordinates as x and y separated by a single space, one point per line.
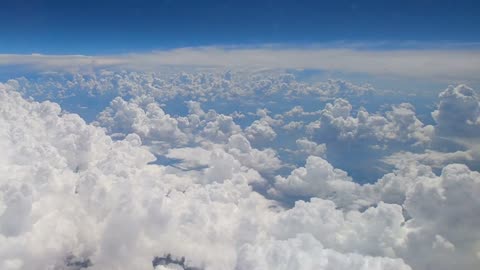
231 183
440 64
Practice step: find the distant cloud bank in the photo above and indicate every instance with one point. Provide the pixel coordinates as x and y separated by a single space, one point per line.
454 64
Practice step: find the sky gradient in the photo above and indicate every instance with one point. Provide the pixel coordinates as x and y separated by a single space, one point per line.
105 27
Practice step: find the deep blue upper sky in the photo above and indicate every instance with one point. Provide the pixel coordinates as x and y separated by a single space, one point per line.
102 27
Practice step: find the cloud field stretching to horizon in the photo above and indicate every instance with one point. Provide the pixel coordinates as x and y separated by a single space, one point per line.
235 169
240 135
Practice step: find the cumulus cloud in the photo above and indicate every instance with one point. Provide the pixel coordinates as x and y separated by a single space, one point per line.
310 148
144 117
430 202
68 189
219 127
56 206
400 124
431 158
371 136
438 208
222 198
455 136
196 84
149 122
221 162
333 88
306 252
265 161
293 126
260 131
458 113
317 179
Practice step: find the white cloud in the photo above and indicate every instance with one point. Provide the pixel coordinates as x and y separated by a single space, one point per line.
458 113
345 231
454 138
333 88
310 148
431 158
68 190
293 126
317 179
260 131
423 235
445 213
219 127
198 84
305 252
149 122
437 64
218 163
398 125
264 161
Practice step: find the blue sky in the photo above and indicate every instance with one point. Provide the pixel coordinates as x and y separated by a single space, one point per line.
105 27
429 40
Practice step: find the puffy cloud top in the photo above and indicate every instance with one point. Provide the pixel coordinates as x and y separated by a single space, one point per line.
458 112
400 124
76 195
